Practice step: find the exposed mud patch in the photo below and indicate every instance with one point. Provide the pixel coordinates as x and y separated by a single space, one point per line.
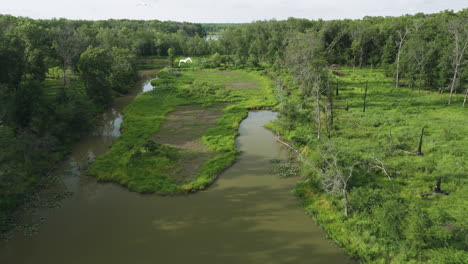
242 84
184 129
226 73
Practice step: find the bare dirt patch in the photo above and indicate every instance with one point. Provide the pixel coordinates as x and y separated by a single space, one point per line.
226 73
184 129
241 84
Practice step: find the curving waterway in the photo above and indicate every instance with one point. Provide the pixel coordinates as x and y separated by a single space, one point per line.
247 216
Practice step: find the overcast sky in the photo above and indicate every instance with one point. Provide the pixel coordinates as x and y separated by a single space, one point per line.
217 11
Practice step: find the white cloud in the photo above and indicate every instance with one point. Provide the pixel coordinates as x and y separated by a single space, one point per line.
222 10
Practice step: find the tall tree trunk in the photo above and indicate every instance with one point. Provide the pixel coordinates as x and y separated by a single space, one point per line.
397 84
452 85
331 114
466 96
346 202
317 112
337 88
420 143
400 44
458 58
361 55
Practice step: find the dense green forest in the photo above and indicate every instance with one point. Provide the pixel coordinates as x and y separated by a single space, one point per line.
373 110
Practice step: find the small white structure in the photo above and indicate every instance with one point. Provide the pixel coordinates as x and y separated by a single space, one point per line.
185 60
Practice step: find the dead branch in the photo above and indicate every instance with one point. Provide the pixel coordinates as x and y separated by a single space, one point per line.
381 166
296 151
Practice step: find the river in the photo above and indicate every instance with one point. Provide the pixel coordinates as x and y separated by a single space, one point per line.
248 215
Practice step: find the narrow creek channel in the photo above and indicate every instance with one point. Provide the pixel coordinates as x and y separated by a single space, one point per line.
247 216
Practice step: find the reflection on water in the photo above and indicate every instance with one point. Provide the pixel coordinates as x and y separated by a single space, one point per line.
247 216
112 119
147 85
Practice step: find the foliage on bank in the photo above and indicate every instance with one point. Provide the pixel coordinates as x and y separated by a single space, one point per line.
139 163
395 216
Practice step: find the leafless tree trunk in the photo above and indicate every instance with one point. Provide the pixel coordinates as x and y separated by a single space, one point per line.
402 37
437 189
346 202
458 57
459 31
335 177
68 45
337 88
361 56
420 143
317 110
335 41
304 58
466 96
329 111
381 165
420 56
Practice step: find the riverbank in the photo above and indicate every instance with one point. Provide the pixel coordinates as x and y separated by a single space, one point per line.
141 162
50 190
394 214
248 215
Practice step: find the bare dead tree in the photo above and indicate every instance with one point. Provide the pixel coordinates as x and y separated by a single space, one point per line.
402 37
420 143
335 176
297 152
68 45
305 57
335 41
466 96
358 35
329 110
317 91
380 165
337 88
459 31
419 53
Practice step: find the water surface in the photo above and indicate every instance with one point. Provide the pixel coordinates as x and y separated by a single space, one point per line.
247 216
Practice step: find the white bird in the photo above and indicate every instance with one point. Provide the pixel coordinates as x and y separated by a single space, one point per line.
185 60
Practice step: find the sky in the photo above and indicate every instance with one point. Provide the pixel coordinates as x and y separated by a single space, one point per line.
222 11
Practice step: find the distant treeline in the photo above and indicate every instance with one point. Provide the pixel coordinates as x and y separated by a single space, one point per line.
424 47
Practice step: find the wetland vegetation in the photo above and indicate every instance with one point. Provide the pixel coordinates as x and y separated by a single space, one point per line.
185 150
374 112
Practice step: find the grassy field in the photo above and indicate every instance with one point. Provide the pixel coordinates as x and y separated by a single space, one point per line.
146 159
386 225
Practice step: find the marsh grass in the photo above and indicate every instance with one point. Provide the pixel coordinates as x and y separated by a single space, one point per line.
387 226
130 163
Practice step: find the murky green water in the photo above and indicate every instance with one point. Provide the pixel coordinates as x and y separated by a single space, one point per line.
247 216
